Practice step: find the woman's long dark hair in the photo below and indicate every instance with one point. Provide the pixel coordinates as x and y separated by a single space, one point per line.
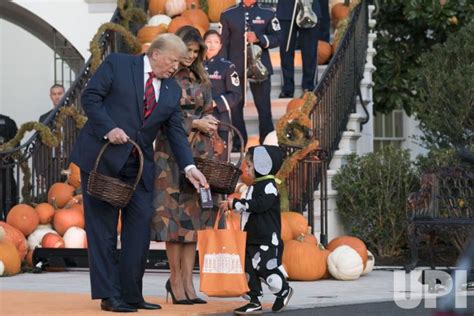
190 34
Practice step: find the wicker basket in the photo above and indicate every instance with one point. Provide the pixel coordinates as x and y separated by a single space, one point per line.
221 176
109 189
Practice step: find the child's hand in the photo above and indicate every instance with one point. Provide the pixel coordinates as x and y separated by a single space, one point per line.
230 202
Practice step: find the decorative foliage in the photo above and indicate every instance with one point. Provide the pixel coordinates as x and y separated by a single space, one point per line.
96 50
405 30
46 137
371 200
294 130
129 13
444 103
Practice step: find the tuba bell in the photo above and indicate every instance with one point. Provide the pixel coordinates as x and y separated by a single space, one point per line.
256 70
306 17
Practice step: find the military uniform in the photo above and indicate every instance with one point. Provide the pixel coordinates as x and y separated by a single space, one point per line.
226 91
233 25
308 43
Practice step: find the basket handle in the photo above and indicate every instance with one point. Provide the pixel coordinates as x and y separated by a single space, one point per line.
234 130
140 155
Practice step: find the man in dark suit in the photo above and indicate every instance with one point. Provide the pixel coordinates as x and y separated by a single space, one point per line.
261 27
56 93
308 43
129 97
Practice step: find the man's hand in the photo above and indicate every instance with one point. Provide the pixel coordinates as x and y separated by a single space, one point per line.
197 178
252 38
117 136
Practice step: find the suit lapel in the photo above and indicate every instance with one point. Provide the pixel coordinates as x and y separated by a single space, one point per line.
138 81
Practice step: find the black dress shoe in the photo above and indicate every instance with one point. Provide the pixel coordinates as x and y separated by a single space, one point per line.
145 305
285 95
115 304
196 300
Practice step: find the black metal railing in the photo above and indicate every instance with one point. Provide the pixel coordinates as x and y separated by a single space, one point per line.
46 163
336 100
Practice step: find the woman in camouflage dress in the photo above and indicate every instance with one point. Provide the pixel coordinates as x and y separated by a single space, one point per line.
178 214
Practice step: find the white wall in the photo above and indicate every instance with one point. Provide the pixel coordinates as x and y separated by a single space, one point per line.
76 20
24 58
26 73
411 130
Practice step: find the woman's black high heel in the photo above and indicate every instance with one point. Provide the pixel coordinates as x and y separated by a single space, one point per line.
196 300
169 290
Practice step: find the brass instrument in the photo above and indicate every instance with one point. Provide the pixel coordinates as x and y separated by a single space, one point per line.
256 70
304 17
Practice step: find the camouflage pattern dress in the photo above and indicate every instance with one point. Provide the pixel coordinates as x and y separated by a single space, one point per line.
178 214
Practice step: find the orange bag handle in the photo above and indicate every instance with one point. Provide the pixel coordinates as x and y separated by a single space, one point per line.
224 210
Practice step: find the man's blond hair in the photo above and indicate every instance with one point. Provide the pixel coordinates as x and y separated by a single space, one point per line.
168 42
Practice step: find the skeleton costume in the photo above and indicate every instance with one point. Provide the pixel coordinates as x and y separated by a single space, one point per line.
261 220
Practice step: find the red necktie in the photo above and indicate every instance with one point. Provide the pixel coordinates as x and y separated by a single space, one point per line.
150 97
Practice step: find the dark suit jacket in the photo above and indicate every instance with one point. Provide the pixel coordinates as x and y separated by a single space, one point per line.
114 98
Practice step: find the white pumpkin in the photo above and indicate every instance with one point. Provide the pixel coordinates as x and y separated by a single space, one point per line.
271 139
2 268
35 238
175 7
75 237
344 263
159 19
369 266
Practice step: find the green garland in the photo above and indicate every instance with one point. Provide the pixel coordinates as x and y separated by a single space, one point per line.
79 120
46 137
96 50
129 13
297 123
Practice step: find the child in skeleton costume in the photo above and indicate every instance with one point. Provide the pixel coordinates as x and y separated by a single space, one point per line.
260 218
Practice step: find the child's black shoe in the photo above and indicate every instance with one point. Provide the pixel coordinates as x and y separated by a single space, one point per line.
251 308
281 302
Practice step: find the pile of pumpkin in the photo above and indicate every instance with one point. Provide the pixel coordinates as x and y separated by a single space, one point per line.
345 258
58 223
170 15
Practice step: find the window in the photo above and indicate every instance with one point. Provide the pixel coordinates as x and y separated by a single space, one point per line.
388 129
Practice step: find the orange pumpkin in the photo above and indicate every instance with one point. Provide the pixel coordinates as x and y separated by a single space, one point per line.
295 103
52 240
324 52
29 258
304 261
309 238
73 175
286 233
148 33
9 258
156 7
16 237
45 212
197 18
339 11
59 194
215 8
193 4
353 242
66 218
177 23
297 222
24 218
